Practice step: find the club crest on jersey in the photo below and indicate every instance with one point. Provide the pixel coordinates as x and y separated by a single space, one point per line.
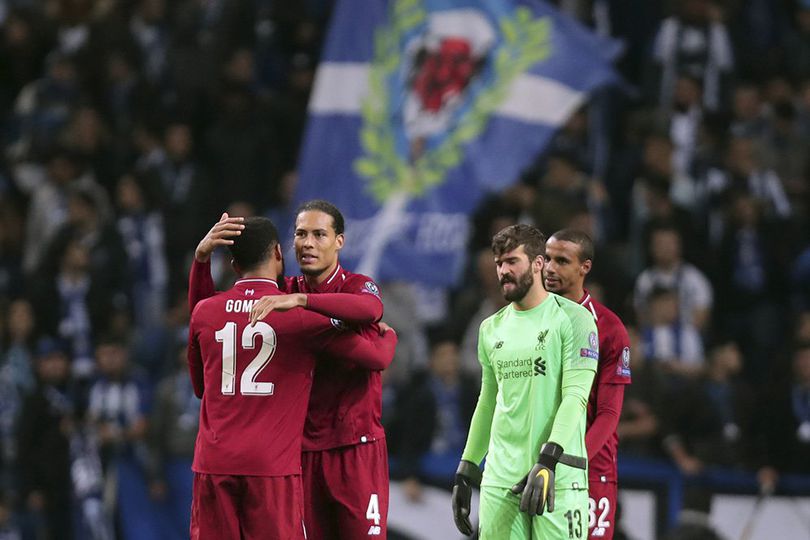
371 287
623 368
340 325
541 340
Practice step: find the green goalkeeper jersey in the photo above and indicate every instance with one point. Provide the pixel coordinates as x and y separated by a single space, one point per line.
537 370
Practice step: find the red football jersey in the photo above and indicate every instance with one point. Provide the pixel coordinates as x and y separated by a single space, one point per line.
613 368
255 381
345 407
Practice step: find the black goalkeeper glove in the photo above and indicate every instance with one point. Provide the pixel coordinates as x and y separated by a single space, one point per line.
537 488
467 475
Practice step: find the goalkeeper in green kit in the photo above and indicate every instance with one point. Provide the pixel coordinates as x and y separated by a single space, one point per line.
538 357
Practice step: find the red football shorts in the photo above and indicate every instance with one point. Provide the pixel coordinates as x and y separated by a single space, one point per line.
234 507
346 492
601 509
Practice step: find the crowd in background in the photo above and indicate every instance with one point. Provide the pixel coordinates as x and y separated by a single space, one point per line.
129 126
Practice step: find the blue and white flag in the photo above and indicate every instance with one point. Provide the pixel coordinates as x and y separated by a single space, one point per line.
421 107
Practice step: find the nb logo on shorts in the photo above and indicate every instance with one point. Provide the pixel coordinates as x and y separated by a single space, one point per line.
598 532
374 530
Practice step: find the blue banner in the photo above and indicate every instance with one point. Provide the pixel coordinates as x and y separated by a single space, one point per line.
422 107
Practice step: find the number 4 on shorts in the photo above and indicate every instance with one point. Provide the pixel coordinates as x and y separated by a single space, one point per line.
373 514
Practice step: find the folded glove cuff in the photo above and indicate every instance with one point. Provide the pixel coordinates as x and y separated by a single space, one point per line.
550 454
470 472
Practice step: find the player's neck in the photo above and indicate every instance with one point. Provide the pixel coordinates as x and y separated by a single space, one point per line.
263 272
533 298
575 294
317 279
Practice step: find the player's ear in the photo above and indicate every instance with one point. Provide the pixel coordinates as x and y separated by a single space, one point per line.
278 253
339 240
236 268
586 266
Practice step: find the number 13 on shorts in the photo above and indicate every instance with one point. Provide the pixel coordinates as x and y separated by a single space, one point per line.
373 514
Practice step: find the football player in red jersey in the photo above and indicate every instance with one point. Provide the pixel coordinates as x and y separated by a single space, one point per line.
345 458
569 258
254 381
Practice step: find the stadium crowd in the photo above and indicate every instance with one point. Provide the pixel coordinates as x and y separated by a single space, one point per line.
129 126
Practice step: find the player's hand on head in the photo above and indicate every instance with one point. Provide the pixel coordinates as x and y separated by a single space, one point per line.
221 234
282 302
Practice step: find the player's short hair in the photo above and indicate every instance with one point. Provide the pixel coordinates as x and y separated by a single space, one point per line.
255 245
579 238
326 207
514 236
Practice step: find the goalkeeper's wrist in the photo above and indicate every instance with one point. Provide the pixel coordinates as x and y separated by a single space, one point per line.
468 472
550 454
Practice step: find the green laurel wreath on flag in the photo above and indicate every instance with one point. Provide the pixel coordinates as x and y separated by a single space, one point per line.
526 42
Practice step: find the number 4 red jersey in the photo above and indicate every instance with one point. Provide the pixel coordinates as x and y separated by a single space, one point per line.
346 404
255 381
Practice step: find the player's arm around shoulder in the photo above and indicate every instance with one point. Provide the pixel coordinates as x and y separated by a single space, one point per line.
370 347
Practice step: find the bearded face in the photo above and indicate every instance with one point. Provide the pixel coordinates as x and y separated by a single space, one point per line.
515 287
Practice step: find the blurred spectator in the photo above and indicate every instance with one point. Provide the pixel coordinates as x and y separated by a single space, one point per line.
74 306
17 342
143 235
786 419
684 122
44 445
693 43
785 149
48 209
744 173
751 284
43 107
668 270
117 404
89 139
639 424
711 420
172 433
672 345
185 193
23 47
434 414
748 118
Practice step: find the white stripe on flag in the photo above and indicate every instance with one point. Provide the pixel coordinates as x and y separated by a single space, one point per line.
341 87
540 100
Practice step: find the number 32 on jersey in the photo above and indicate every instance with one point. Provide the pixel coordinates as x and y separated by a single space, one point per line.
248 385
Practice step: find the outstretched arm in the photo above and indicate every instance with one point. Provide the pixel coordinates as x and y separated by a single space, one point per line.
369 349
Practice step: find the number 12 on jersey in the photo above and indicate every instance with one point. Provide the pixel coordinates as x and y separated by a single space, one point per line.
248 385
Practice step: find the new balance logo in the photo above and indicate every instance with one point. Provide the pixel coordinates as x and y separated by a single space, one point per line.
499 344
374 530
249 292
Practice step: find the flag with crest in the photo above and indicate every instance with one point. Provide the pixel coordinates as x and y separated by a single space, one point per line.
421 107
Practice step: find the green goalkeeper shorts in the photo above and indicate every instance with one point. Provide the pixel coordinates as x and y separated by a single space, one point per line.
501 519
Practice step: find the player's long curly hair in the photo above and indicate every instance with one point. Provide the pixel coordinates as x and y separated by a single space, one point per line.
514 236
